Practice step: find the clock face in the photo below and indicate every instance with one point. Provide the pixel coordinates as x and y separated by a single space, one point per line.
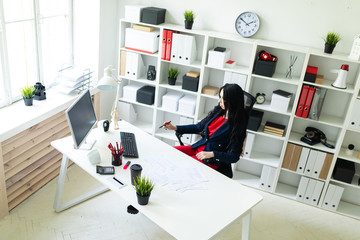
247 24
260 98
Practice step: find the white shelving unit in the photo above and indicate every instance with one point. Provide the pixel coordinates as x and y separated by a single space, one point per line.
268 150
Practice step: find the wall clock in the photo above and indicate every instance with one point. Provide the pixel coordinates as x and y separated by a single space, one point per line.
247 24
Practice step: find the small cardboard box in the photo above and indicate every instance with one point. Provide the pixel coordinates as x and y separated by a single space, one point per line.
170 100
133 12
187 105
153 15
210 90
319 79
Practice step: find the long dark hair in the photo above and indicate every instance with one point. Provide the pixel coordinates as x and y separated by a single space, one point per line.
233 97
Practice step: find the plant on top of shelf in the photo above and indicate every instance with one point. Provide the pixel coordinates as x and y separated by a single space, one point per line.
173 73
28 93
331 39
189 18
143 187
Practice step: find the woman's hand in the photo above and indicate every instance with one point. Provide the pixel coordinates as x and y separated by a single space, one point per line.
205 155
169 126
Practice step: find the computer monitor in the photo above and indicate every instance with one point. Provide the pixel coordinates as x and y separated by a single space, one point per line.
81 118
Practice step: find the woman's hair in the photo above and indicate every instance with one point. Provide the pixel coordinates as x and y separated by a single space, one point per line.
233 97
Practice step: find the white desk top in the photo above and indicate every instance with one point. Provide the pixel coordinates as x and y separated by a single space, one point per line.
193 214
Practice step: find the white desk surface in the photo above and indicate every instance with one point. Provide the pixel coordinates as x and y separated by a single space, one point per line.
193 214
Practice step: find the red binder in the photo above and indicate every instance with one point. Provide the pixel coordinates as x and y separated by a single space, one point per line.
300 107
168 45
308 102
163 44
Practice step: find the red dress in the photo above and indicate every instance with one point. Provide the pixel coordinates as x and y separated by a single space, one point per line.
213 126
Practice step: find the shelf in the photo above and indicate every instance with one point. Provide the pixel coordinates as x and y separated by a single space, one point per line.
209 96
280 78
260 132
264 159
336 56
177 113
286 190
326 119
353 184
155 55
347 157
266 107
177 87
237 69
146 126
246 179
295 138
327 84
168 135
349 209
140 80
195 64
136 103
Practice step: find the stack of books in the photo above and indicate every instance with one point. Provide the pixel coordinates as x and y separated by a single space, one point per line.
274 128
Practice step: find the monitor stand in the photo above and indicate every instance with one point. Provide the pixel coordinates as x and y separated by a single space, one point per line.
87 144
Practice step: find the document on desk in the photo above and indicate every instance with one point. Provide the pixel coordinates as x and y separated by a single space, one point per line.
177 177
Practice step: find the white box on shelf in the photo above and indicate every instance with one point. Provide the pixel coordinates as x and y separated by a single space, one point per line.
218 59
137 40
280 101
187 105
133 12
170 100
129 91
134 65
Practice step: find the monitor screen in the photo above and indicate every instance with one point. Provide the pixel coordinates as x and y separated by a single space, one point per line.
81 118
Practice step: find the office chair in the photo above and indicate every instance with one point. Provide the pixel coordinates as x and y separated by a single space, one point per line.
249 102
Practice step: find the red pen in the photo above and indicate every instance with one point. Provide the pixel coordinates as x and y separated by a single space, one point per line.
165 124
126 165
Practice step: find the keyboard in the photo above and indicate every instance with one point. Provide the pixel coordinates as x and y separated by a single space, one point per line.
128 142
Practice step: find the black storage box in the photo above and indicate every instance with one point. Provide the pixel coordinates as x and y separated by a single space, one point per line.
190 83
255 120
309 77
344 170
153 15
265 68
146 95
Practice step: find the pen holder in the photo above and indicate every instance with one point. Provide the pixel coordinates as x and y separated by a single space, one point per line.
116 159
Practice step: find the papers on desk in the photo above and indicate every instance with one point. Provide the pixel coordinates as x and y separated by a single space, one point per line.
177 177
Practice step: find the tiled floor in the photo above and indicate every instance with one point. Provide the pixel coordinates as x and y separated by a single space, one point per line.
105 217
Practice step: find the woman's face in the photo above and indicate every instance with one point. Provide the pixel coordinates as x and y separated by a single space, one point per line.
221 100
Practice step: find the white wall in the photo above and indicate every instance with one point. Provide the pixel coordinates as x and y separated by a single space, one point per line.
300 22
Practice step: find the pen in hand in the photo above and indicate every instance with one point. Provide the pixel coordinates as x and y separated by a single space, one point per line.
165 124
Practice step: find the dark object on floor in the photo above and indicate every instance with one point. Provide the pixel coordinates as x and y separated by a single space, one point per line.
132 210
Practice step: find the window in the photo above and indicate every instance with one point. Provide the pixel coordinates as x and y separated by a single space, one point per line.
36 41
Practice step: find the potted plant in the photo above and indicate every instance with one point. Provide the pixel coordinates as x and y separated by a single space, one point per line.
331 40
143 187
173 73
28 93
189 19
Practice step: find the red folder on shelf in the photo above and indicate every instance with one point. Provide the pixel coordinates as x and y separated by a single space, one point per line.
308 102
163 44
168 45
302 100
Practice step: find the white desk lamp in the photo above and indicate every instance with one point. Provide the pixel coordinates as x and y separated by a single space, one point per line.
109 83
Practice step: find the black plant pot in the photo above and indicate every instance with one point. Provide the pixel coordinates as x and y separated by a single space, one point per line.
329 48
172 81
28 101
142 200
188 25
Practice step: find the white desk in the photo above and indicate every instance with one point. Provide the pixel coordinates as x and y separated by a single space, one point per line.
193 214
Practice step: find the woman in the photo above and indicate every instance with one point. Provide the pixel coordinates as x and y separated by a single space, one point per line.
224 131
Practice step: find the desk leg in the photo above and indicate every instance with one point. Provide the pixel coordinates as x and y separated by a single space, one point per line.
58 206
246 224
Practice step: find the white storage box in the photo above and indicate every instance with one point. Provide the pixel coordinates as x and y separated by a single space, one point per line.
129 91
133 12
147 42
187 105
218 59
170 101
127 112
280 101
